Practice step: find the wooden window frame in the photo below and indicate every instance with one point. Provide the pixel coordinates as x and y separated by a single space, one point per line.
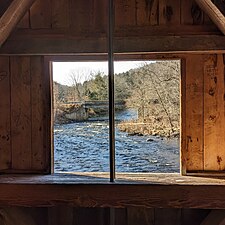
118 57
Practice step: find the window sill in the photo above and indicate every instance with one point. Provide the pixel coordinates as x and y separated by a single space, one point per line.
95 190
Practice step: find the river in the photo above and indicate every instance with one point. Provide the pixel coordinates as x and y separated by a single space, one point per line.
84 147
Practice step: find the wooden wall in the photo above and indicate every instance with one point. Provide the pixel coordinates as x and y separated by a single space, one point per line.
25 122
203 147
54 27
25 115
100 216
91 15
77 26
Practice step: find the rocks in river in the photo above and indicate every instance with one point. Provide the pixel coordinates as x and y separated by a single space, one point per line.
150 140
146 129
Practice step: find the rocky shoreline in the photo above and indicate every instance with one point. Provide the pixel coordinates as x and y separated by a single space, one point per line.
66 114
144 129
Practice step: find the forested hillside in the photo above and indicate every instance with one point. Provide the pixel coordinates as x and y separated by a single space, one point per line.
152 89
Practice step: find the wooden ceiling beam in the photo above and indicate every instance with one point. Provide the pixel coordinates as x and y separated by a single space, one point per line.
51 45
213 12
12 16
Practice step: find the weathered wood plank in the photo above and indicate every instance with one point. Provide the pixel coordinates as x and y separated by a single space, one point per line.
125 13
39 120
5 110
12 16
61 215
21 112
194 113
147 12
100 15
89 216
60 13
164 191
191 13
40 14
207 20
167 216
220 4
15 215
214 13
67 45
193 216
121 216
82 178
214 131
48 117
140 216
183 136
169 12
81 15
25 21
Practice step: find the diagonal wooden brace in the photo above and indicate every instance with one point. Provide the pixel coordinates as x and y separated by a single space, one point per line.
12 16
213 12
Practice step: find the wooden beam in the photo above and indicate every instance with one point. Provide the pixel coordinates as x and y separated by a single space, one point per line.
213 12
67 45
92 190
12 16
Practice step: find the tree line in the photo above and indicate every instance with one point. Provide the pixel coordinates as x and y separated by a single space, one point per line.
153 90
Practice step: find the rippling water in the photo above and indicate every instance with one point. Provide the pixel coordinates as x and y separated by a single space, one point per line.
84 147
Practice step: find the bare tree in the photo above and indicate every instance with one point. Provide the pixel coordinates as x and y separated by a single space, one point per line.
76 80
156 93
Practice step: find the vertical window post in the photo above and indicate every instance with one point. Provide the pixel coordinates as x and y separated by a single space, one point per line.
111 90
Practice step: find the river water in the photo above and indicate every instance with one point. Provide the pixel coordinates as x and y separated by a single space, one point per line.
84 147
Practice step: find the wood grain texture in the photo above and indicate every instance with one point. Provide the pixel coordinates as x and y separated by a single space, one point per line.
214 133
66 45
12 16
90 216
140 216
220 5
5 111
60 215
48 118
193 216
60 13
38 114
147 12
100 16
125 13
38 215
194 113
121 216
25 21
40 14
191 13
81 15
164 191
213 12
183 136
169 12
167 216
21 121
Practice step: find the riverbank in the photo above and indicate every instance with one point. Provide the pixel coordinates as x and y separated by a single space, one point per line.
143 129
126 120
84 111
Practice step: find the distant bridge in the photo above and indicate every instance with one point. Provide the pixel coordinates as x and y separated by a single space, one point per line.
97 104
